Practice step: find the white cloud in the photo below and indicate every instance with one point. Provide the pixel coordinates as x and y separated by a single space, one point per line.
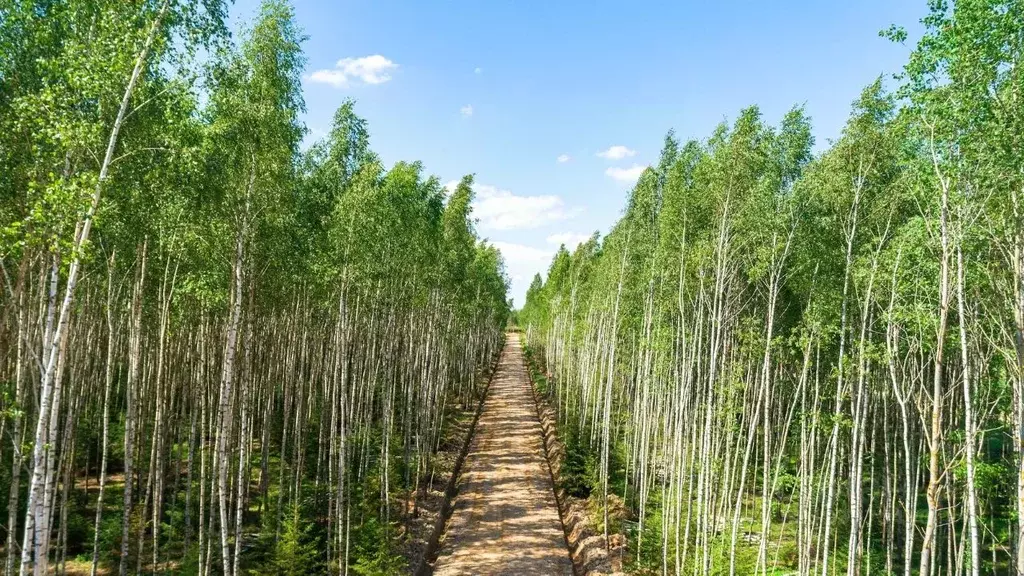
498 209
626 174
616 153
562 159
478 70
570 239
374 69
466 111
522 263
502 210
516 255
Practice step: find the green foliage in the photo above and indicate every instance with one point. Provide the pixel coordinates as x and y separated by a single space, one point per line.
579 474
374 554
744 259
327 251
368 304
298 550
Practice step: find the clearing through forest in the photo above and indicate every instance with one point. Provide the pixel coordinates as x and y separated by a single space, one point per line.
505 519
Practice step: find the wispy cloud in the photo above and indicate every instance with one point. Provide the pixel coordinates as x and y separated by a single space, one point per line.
522 263
375 69
563 158
570 239
502 210
616 153
466 111
498 209
626 174
519 254
478 70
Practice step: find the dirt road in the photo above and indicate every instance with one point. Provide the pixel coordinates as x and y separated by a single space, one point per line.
505 520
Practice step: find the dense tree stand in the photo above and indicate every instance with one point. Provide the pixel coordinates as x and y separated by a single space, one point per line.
230 348
506 519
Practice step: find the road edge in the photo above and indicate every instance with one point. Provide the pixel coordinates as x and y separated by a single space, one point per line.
425 567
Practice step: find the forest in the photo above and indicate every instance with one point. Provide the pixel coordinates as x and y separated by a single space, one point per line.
785 359
221 352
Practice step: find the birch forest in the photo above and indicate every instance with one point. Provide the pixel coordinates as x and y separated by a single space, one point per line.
785 359
220 352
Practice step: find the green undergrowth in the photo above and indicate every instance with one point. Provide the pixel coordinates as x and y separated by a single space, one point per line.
646 554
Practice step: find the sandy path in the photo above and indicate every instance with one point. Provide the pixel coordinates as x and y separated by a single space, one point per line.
505 519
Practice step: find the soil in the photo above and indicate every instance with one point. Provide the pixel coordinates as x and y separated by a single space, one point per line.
590 553
505 519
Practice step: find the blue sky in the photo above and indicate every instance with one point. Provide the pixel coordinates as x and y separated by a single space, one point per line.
528 95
